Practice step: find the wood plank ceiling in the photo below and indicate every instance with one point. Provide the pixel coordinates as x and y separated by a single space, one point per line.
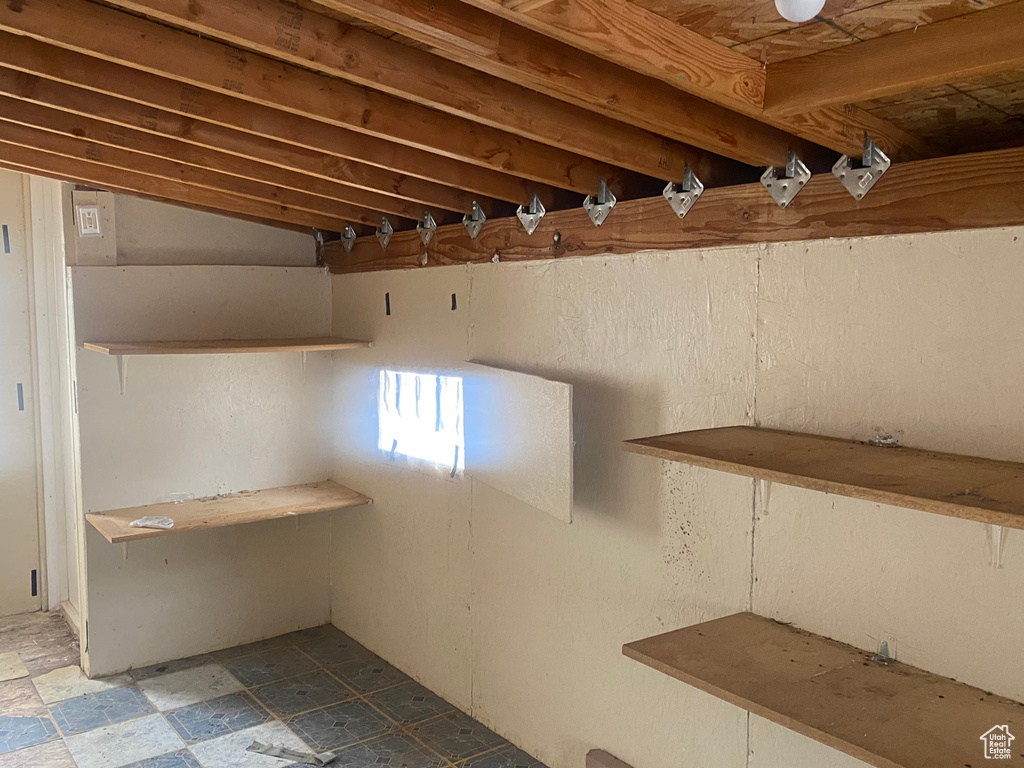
329 113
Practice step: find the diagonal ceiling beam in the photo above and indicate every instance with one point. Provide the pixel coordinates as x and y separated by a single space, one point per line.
200 114
485 42
115 36
53 165
281 30
119 159
515 41
317 170
966 47
179 203
319 193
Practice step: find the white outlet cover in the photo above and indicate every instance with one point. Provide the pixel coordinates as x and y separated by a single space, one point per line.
89 221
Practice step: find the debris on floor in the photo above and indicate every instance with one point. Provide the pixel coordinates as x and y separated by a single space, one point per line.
324 758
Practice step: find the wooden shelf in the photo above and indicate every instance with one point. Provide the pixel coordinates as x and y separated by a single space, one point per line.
223 346
888 715
233 509
948 484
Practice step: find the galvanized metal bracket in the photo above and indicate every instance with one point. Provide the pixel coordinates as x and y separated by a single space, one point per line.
348 238
531 215
384 233
784 188
859 181
599 207
427 227
474 222
682 196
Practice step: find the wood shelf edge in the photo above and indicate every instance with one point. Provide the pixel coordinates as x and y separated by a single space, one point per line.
963 508
831 692
241 508
224 346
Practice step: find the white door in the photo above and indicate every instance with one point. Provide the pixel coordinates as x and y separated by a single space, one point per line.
20 581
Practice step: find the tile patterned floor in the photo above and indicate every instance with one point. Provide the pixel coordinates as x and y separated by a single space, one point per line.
312 691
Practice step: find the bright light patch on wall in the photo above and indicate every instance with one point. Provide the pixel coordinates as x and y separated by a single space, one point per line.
420 416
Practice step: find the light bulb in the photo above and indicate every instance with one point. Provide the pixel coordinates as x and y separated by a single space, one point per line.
799 10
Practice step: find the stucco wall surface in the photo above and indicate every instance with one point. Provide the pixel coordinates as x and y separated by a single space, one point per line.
201 425
519 618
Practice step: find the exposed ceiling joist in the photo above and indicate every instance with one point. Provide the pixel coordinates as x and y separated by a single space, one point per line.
95 174
322 193
623 33
159 199
319 42
982 43
137 43
487 43
158 168
202 112
911 197
315 168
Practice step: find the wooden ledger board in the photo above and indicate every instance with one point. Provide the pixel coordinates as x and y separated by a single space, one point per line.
889 715
232 509
945 483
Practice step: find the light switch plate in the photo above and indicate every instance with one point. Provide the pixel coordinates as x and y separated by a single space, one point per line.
89 221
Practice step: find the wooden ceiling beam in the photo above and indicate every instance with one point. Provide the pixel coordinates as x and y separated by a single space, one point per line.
89 173
119 37
982 43
492 36
477 39
280 30
164 200
120 159
910 198
212 119
100 132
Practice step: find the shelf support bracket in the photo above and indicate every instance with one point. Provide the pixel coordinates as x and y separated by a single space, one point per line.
122 372
764 496
996 535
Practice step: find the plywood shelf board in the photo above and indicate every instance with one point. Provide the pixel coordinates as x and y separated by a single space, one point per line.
889 715
232 509
223 346
968 487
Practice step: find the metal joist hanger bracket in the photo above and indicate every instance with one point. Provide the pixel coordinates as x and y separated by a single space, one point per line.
859 181
599 207
474 222
784 188
682 196
531 215
348 238
384 233
427 227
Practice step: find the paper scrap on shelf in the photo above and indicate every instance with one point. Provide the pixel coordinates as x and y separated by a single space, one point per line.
324 758
152 522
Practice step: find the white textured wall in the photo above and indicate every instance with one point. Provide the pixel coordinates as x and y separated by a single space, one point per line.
19 516
504 610
149 232
520 619
201 425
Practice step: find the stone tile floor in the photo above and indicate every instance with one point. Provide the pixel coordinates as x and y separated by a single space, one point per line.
313 691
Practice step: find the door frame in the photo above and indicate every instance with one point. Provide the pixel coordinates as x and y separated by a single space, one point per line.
52 339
